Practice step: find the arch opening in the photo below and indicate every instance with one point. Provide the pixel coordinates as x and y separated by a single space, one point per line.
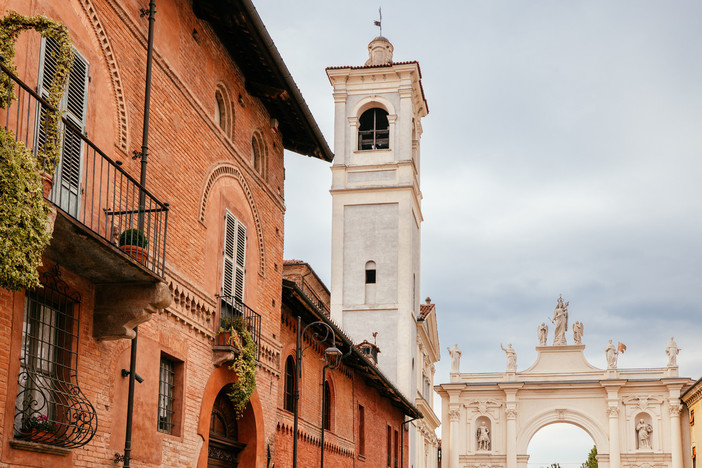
566 445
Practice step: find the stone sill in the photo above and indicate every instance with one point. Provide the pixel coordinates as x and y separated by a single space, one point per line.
37 447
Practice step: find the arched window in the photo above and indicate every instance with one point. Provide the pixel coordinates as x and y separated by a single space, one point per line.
370 272
289 390
258 153
223 111
373 130
327 407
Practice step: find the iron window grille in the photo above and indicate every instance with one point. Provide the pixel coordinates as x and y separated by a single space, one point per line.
51 408
289 401
165 395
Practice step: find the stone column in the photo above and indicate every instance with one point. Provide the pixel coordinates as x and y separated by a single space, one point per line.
614 452
511 444
454 442
675 434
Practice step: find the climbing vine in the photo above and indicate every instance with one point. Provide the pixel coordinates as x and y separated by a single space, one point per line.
244 366
25 230
10 26
24 215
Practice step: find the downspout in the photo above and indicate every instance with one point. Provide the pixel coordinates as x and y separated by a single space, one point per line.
402 441
142 198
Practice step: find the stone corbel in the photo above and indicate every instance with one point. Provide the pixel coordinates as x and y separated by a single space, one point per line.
122 306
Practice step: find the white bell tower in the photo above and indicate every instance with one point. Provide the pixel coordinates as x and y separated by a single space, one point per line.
376 213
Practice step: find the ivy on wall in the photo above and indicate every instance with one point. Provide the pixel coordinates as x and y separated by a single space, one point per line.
25 230
10 26
244 366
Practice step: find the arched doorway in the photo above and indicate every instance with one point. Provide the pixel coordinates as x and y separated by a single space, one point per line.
564 444
224 444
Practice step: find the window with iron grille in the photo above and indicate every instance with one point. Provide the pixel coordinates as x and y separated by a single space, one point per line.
165 395
373 130
289 396
51 408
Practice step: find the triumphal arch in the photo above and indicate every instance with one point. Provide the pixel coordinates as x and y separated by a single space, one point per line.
634 416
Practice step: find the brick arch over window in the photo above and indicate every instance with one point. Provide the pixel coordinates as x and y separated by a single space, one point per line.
113 69
225 169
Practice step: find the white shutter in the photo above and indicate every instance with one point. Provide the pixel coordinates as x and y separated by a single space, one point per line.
234 257
74 102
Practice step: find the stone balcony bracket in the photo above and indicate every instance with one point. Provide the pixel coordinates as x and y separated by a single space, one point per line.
119 307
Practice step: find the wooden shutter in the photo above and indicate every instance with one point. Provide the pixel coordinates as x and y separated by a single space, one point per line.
234 257
73 105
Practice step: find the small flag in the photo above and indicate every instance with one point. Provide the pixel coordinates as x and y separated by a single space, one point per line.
621 348
377 23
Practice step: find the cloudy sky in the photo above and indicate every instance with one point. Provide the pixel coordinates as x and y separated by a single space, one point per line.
561 155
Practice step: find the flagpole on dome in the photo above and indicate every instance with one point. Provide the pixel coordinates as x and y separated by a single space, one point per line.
379 21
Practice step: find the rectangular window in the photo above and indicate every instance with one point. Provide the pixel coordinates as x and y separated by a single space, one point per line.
692 417
50 408
389 446
397 452
361 431
234 251
165 395
66 189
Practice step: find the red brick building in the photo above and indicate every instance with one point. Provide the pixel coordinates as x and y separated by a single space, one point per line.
362 412
223 108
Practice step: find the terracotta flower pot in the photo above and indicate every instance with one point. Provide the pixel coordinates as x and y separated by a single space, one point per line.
139 254
47 183
41 436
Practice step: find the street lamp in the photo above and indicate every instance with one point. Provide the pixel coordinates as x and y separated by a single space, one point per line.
332 359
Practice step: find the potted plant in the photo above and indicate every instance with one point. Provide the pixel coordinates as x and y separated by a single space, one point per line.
133 242
39 428
230 329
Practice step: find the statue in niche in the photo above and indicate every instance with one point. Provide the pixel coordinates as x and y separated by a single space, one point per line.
560 323
611 353
511 356
543 334
483 437
643 433
578 333
455 354
672 351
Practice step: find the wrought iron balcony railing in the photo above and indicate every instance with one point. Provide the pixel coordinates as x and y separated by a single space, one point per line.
231 310
88 186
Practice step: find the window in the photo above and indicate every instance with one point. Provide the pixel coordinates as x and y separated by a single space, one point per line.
397 451
370 272
692 417
389 446
66 190
51 408
289 392
327 407
234 258
361 431
165 395
223 111
373 130
258 153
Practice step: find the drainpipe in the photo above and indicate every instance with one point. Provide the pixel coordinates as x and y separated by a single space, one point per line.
402 441
142 203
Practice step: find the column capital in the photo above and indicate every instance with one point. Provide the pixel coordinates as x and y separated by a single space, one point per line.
675 408
454 415
613 411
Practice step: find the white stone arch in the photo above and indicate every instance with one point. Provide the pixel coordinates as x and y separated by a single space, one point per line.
554 416
369 102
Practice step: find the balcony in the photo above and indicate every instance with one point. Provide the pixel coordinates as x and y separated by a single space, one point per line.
95 201
232 310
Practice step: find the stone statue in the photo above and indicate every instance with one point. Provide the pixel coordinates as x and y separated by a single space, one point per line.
511 355
560 322
455 354
543 334
483 437
578 333
611 353
672 351
643 433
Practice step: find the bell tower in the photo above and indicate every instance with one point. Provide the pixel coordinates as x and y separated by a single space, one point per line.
376 212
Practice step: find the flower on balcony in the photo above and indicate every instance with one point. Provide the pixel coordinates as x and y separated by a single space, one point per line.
244 364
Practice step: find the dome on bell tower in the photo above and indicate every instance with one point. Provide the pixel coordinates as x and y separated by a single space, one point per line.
379 52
